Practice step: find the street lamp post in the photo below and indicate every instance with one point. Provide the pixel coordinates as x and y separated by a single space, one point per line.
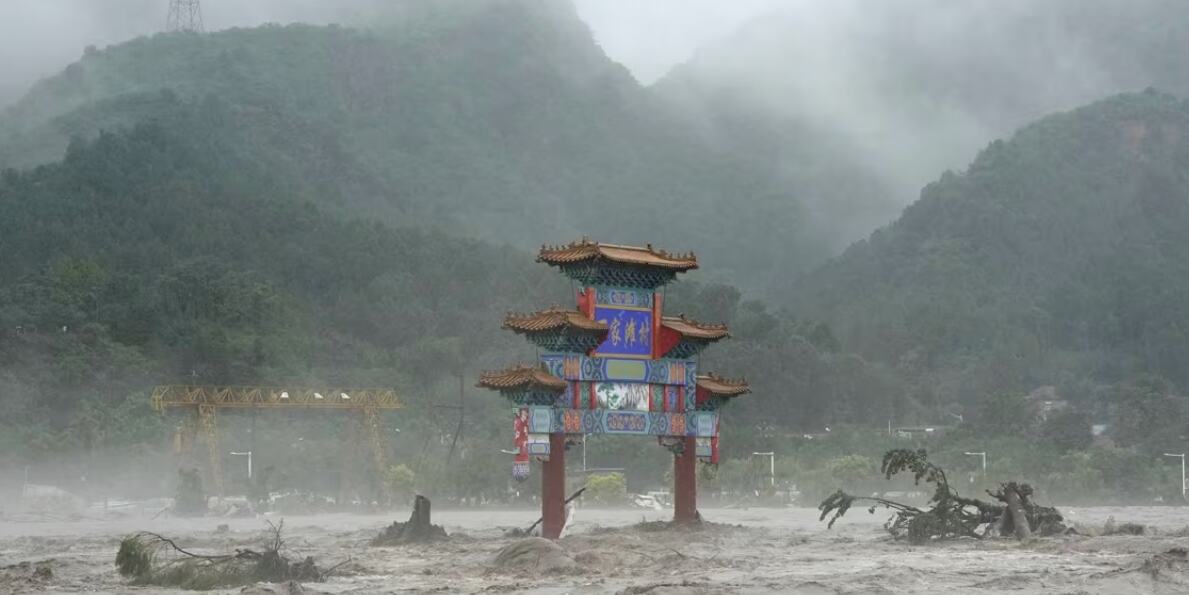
771 465
248 454
1182 457
983 455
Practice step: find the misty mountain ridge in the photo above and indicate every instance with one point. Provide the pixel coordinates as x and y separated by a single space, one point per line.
859 104
177 251
223 215
327 206
1056 258
162 254
502 121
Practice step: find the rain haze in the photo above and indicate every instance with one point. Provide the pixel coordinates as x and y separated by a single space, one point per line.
40 37
542 296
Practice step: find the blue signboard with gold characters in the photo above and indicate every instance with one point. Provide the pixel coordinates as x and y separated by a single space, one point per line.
629 331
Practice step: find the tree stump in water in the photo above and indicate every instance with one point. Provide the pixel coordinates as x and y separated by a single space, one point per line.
418 529
419 520
1014 513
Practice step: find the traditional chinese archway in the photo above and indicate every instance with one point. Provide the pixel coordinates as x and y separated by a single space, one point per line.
615 364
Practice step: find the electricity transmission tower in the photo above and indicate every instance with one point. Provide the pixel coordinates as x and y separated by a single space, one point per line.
184 15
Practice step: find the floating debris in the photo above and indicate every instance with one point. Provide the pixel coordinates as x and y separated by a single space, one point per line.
141 558
951 514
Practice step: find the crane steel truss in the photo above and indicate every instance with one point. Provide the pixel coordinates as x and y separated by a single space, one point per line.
206 400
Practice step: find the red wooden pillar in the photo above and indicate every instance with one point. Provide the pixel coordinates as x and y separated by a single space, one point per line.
685 478
553 488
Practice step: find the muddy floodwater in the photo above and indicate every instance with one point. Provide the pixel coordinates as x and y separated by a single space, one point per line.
744 551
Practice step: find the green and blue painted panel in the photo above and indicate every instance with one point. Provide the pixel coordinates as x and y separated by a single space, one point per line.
694 424
572 367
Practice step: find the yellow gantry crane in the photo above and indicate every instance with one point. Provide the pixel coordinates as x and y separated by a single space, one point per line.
205 401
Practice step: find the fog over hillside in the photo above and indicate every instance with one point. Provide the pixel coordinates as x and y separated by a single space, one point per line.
899 91
40 37
852 106
915 237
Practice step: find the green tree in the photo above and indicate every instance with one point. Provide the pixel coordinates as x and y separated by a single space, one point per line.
606 488
1148 415
1067 430
849 469
1004 414
400 480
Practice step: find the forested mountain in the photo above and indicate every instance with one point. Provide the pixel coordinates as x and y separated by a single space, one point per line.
857 105
167 254
504 120
176 251
285 205
1058 258
325 205
499 119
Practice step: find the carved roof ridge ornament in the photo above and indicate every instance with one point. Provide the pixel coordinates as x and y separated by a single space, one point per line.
585 249
552 318
693 329
724 379
520 376
725 387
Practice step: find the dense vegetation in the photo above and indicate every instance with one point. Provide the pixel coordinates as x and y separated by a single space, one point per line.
501 119
165 253
289 205
177 251
1055 259
1033 296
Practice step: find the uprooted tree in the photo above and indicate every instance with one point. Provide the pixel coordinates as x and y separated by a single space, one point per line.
950 514
151 559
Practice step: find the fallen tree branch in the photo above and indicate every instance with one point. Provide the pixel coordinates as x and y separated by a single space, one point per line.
139 558
178 549
572 497
329 571
950 514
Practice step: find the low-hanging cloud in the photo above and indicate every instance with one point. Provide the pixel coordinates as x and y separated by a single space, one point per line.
905 89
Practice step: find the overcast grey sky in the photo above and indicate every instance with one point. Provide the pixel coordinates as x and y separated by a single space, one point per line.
40 37
650 36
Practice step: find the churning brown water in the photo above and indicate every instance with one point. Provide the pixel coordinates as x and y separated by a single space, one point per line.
743 551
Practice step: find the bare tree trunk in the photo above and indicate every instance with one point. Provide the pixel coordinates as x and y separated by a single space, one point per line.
1015 508
418 529
419 524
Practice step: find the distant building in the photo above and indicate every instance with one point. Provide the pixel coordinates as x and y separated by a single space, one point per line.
1045 401
918 432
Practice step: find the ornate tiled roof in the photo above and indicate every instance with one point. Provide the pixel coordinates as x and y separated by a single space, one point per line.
552 319
521 377
586 249
723 387
693 329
